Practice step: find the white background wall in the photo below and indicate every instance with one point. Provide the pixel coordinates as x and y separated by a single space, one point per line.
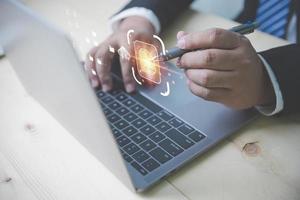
225 8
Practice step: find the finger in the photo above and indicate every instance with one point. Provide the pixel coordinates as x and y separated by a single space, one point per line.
126 64
216 59
128 80
209 94
180 34
89 67
212 38
93 78
103 59
211 78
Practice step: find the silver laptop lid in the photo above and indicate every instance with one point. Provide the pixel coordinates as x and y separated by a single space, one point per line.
46 64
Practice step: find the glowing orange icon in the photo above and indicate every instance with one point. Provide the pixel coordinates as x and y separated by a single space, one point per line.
146 66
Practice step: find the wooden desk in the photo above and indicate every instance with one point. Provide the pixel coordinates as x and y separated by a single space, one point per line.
39 159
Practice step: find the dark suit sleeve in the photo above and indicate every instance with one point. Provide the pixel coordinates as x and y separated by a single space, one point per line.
285 62
165 10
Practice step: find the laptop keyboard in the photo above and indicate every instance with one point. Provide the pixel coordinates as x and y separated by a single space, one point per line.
148 135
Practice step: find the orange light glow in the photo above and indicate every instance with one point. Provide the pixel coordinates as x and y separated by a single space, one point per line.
146 61
147 67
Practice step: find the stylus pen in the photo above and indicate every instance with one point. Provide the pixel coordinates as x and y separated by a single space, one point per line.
177 52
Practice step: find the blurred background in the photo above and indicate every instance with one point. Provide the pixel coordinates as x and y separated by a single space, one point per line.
225 8
82 18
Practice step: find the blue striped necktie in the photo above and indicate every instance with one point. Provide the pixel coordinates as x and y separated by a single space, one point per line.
272 15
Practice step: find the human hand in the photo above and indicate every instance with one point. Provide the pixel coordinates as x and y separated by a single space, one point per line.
227 71
99 59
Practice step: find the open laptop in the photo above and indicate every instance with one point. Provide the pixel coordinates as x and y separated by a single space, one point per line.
141 138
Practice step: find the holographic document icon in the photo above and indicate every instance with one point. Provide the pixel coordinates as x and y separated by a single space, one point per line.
147 67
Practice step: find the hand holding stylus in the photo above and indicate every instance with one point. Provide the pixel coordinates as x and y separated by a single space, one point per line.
227 69
178 52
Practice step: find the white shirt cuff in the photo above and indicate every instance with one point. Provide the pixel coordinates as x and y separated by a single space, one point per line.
136 11
270 110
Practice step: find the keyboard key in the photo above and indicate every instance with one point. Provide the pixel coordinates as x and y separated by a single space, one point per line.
160 155
102 105
127 157
145 114
122 141
150 164
176 122
121 96
140 156
131 148
115 92
165 115
128 102
121 124
129 131
163 127
157 137
130 117
116 132
100 94
146 103
179 138
138 123
139 168
107 100
138 138
196 136
170 147
147 145
185 129
154 120
137 108
107 111
113 118
114 106
122 111
147 130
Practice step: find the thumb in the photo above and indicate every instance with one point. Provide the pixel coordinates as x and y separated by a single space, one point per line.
211 38
180 34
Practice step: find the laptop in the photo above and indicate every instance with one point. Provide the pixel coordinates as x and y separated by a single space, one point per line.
141 137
